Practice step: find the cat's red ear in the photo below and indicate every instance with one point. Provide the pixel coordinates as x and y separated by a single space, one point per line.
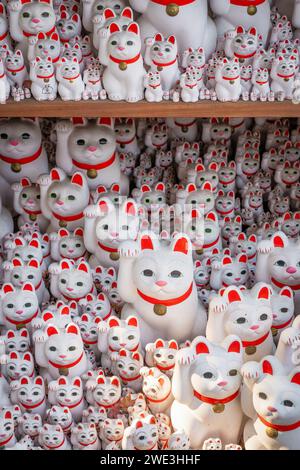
267 367
171 39
54 174
158 37
279 240
139 424
113 322
8 415
130 208
234 347
133 28
173 344
77 179
83 267
264 293
39 380
132 321
115 381
159 343
202 348
73 329
296 378
52 330
114 28
181 245
8 288
127 13
146 242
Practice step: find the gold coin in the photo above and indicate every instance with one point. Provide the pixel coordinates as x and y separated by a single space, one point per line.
218 408
172 9
122 66
71 81
185 129
33 217
63 371
272 433
250 350
16 167
114 256
62 223
160 309
20 326
199 251
286 79
92 174
122 146
242 60
252 10
46 80
274 331
159 68
231 82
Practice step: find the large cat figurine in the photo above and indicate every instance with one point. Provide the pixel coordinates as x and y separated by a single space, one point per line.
206 385
158 292
90 147
167 17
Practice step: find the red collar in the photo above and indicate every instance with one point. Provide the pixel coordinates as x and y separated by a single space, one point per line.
126 142
180 3
247 3
71 78
107 406
95 166
131 350
93 82
161 400
110 249
89 444
279 427
108 315
251 257
68 218
226 183
45 77
209 245
31 407
77 298
165 368
89 342
56 447
225 212
66 366
158 64
56 59
3 443
28 35
126 61
188 124
22 160
159 146
255 206
288 183
285 76
256 342
127 379
75 404
280 285
22 322
88 55
155 86
235 126
15 70
67 428
3 75
167 302
248 56
31 212
191 86
262 83
1 39
231 79
215 401
283 325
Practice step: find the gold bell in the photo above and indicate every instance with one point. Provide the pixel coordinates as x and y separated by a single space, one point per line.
20 326
274 332
159 68
63 223
122 66
160 309
272 433
231 82
92 173
218 408
63 371
114 256
185 129
172 9
250 350
252 10
46 80
71 81
16 167
122 146
199 251
33 217
286 79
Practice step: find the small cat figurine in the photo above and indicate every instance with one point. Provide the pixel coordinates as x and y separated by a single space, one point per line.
27 204
154 91
142 435
65 244
261 84
70 83
68 392
111 430
283 76
229 271
128 364
189 86
104 391
15 68
29 394
52 437
29 425
43 81
157 390
291 224
161 354
18 306
241 44
89 332
15 365
18 340
7 430
68 26
84 437
60 415
93 85
44 46
125 131
228 80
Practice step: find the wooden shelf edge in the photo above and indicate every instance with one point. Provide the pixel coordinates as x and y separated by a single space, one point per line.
142 109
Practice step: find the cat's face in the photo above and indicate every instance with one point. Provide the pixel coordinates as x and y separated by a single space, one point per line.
190 77
6 425
60 415
107 391
71 244
285 65
225 202
19 365
125 130
292 152
63 348
105 277
86 433
247 245
250 164
174 276
68 27
51 435
202 272
100 5
165 353
154 198
30 424
290 174
48 46
19 137
71 52
210 174
153 78
220 131
14 61
69 68
249 316
30 198
202 198
68 391
266 58
280 205
15 411
164 159
196 57
262 75
23 273
283 29
31 391
19 304
216 370
235 270
94 415
164 50
75 281
124 44
123 334
59 315
156 387
145 435
37 16
113 429
129 364
291 225
245 42
28 251
92 143
88 328
284 263
68 196
18 341
246 72
227 173
43 67
230 69
179 441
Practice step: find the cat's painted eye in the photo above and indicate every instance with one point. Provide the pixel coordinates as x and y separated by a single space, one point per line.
52 348
131 337
241 320
63 281
70 27
115 338
16 276
262 395
25 136
64 245
80 142
53 195
243 271
280 263
148 272
142 438
175 274
45 14
26 14
10 305
208 375
288 403
129 43
105 227
233 372
30 276
3 136
78 245
114 43
208 230
79 284
263 317
102 141
71 198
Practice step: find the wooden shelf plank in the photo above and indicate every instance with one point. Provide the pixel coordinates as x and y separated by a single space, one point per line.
204 109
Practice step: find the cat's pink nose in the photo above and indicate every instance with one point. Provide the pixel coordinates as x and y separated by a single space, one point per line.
291 270
274 315
71 251
14 143
254 327
19 312
30 201
62 356
272 409
121 48
122 344
60 202
91 148
70 289
222 384
114 234
237 279
161 283
35 20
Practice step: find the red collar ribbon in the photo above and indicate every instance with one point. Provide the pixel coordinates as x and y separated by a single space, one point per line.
110 249
279 284
75 404
209 245
161 400
68 218
1 39
15 70
31 407
126 142
89 444
280 427
165 368
28 35
158 64
248 56
215 401
31 212
23 160
231 79
66 366
126 61
72 78
3 443
22 322
128 379
56 447
96 166
167 302
45 77
285 76
256 342
283 325
247 3
188 124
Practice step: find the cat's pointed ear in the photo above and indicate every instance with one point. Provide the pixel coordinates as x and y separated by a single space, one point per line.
25 182
115 188
52 330
113 322
123 352
159 343
55 175
172 39
114 28
233 294
77 382
109 14
39 380
132 321
201 345
280 240
158 37
48 316
105 205
133 28
181 244
234 345
105 121
127 13
130 207
28 287
78 232
139 424
73 329
78 179
207 186
145 188
78 121
286 292
295 379
115 381
62 381
173 344
147 241
264 293
83 267
267 367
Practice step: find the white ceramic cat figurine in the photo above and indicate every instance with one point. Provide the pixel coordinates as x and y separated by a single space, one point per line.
18 341
70 83
4 83
27 204
125 130
247 314
104 391
261 85
60 415
128 364
89 332
52 437
206 383
44 46
152 83
93 85
158 293
43 81
157 390
5 39
283 76
68 392
229 271
142 435
15 68
106 226
16 365
123 78
29 424
7 430
91 148
29 394
71 281
61 353
84 437
63 200
241 44
65 244
161 354
18 306
228 80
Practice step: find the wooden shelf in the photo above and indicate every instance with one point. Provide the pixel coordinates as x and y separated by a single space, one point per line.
204 109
